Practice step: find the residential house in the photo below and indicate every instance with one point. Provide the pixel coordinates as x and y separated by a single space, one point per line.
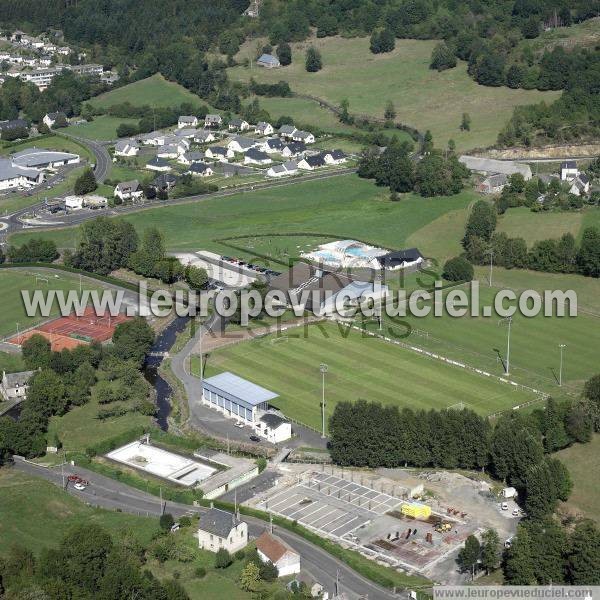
273 428
188 158
185 133
271 145
204 137
264 128
221 529
213 121
272 549
154 138
52 118
158 164
169 151
256 157
126 148
219 153
335 157
229 170
287 131
238 125
293 149
580 186
15 385
493 184
309 163
13 124
241 144
289 167
303 136
268 61
129 190
200 170
164 182
187 121
568 170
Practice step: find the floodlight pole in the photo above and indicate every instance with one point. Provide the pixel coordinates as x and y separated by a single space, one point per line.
491 265
323 368
561 346
508 347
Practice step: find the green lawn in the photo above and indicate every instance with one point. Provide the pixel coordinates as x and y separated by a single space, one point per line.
10 362
359 368
50 142
344 206
582 460
103 127
153 91
12 282
423 98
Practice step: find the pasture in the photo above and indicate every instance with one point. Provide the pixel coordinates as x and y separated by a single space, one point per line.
360 367
103 127
343 207
153 91
13 282
423 98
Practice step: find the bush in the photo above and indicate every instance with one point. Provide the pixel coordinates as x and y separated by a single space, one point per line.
261 463
222 559
200 572
166 521
458 269
240 555
185 521
85 183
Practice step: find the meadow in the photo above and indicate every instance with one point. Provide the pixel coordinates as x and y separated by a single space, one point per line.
423 98
49 142
153 91
10 362
360 367
103 127
581 460
12 282
343 206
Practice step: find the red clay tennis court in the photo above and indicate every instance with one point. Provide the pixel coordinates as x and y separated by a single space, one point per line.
69 332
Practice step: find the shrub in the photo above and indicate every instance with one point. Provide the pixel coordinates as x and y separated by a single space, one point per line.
240 555
166 521
458 269
222 559
200 572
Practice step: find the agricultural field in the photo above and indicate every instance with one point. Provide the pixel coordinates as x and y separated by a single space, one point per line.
103 127
12 282
423 98
153 91
532 226
360 367
581 460
343 207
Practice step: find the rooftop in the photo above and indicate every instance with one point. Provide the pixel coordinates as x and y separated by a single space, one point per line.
240 388
218 522
272 547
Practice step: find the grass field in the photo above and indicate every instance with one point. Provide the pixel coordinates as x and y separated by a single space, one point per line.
359 367
531 226
582 460
13 309
50 142
585 34
423 98
153 91
103 127
10 362
343 206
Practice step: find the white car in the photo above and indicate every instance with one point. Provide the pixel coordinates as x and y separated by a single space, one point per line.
79 486
516 512
240 425
504 506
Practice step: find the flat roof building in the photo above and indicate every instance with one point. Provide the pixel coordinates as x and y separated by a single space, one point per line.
236 397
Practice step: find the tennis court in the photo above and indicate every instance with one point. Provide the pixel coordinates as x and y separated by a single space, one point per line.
73 330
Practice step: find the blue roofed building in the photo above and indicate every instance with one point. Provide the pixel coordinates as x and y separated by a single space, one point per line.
236 397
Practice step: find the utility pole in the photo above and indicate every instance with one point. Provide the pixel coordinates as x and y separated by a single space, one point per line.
323 368
561 346
17 331
507 320
491 265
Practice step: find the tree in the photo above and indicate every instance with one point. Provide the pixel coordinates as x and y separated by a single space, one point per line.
588 258
469 555
389 113
35 250
458 269
195 277
132 340
250 577
284 54
481 223
268 571
150 252
166 521
36 352
427 146
383 40
222 559
519 562
313 61
548 544
465 124
442 58
85 183
583 563
490 550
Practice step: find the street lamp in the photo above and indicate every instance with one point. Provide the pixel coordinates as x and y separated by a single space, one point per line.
561 346
501 322
323 368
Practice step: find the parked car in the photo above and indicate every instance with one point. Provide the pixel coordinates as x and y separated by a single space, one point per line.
504 506
254 438
80 486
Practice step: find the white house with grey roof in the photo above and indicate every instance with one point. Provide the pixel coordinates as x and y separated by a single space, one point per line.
126 148
221 529
287 131
15 385
128 190
219 153
241 144
212 120
568 170
187 121
204 137
238 125
13 176
235 397
273 428
289 167
303 136
256 157
264 128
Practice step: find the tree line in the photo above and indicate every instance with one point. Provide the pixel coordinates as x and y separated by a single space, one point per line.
551 255
62 380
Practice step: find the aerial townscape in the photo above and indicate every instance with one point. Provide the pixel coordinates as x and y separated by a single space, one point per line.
299 299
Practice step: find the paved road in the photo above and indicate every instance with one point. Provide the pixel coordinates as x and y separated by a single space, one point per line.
110 494
102 157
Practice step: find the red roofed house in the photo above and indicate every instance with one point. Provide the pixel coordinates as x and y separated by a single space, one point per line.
271 548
